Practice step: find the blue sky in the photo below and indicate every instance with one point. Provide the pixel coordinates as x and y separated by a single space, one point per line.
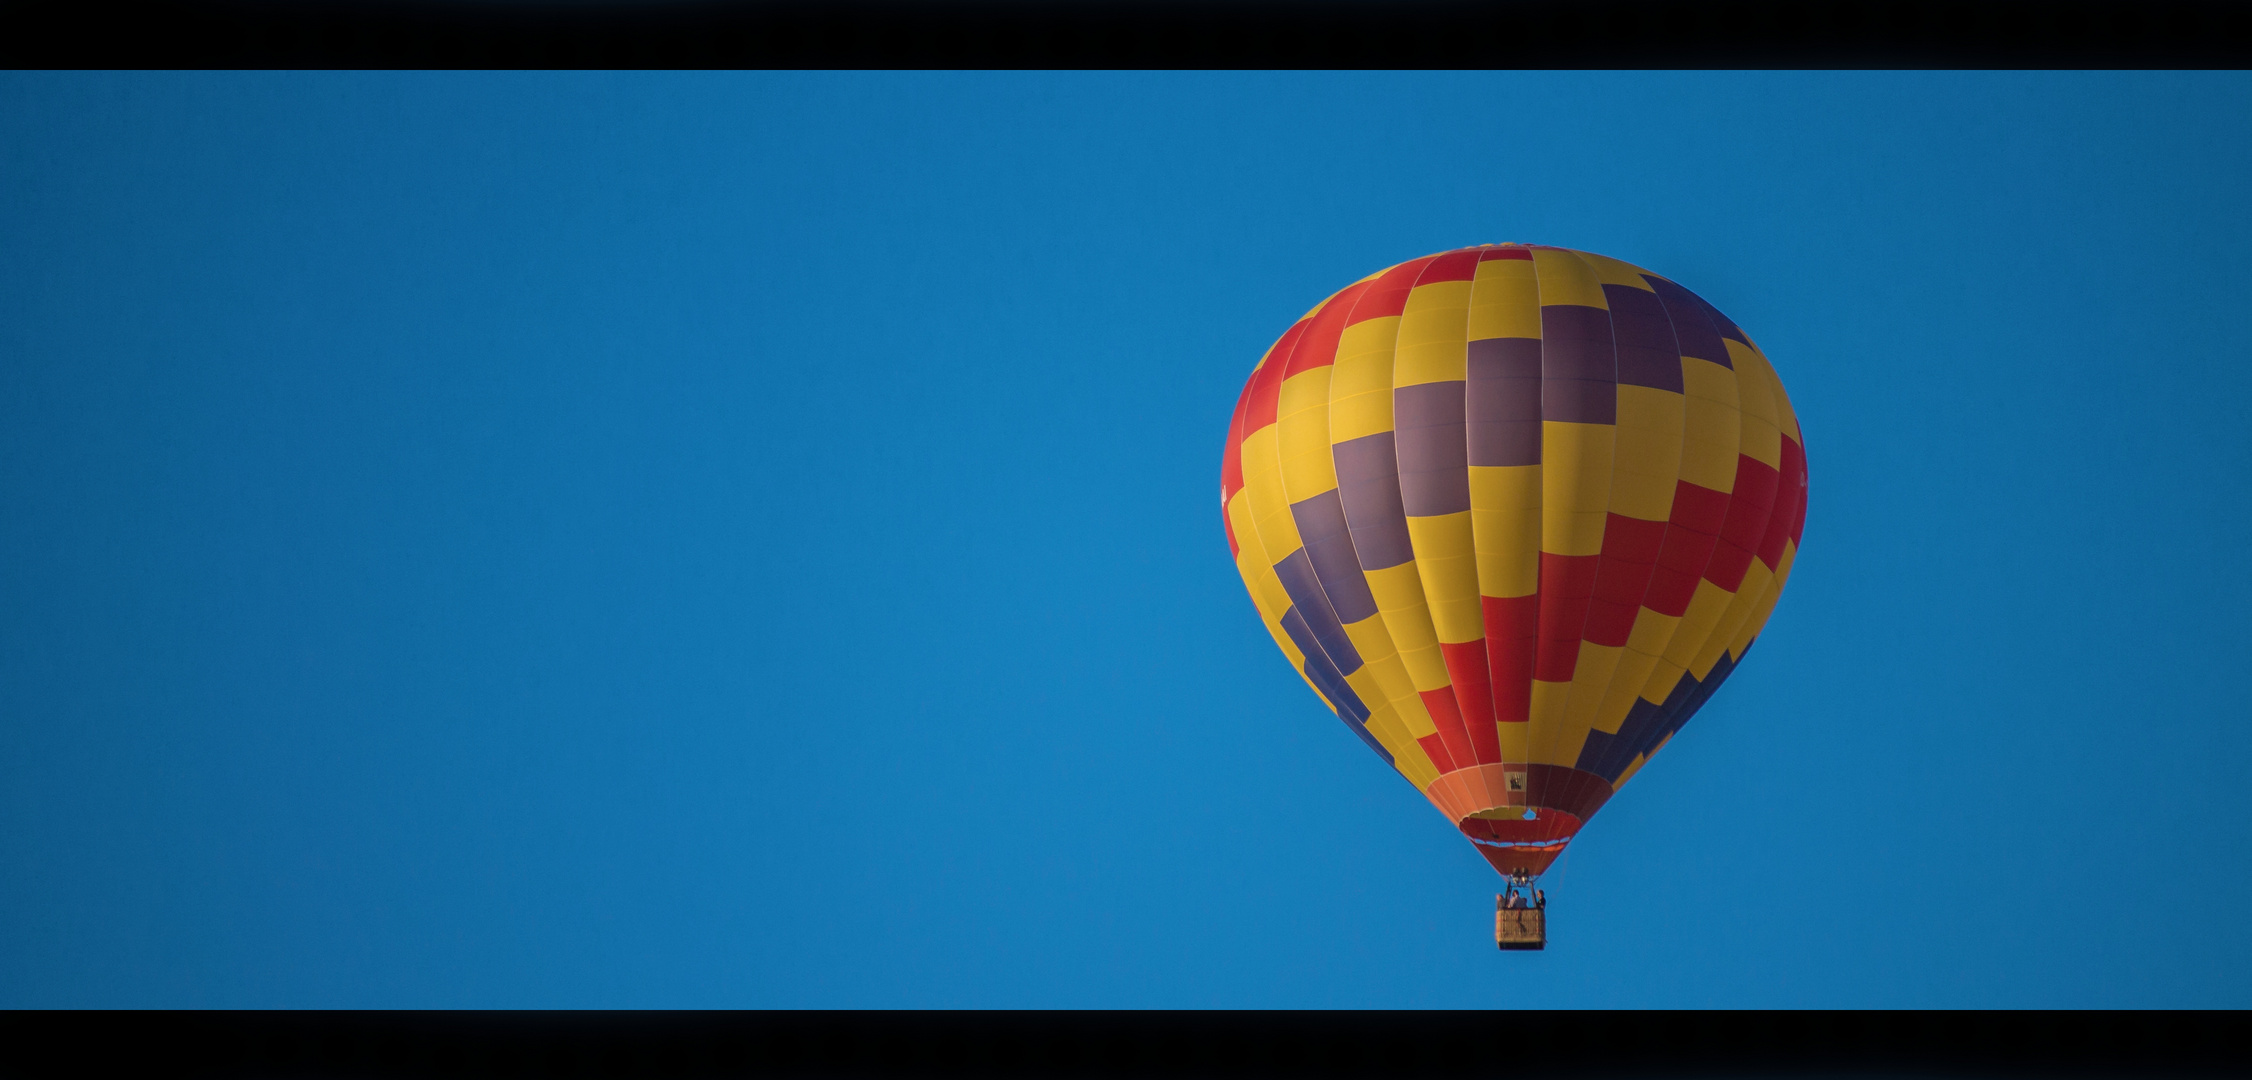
751 540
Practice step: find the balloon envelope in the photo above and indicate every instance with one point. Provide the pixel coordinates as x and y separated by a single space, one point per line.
1514 512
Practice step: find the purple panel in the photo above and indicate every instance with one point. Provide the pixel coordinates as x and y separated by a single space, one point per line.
1297 574
1692 327
1648 355
1502 402
1368 485
1433 477
1321 525
1512 442
1323 673
1575 343
1579 401
1723 323
1505 358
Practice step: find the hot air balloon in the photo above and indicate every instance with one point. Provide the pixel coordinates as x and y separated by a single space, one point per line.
1514 512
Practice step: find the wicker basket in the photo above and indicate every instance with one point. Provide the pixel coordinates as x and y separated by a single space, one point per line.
1520 928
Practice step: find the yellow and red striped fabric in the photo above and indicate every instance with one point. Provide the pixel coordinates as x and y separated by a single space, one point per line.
1514 512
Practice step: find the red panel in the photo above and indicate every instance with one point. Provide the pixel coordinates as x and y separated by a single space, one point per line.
1622 582
1437 750
1749 510
1790 505
1317 347
1473 691
1566 583
1577 793
1632 539
1387 295
1447 717
1565 576
1630 548
1231 455
1671 589
1699 508
1451 266
1559 657
1751 505
1512 633
1509 252
1609 622
1266 389
1799 521
1728 565
1228 527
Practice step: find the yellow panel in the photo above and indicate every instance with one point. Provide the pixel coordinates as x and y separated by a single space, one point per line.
1369 335
1627 773
1590 677
1373 641
1516 742
1575 486
1761 442
1305 475
1306 390
1740 605
1413 715
1751 372
1709 464
1508 545
1262 480
1303 435
1647 408
1449 569
1384 725
1360 387
1712 426
1611 271
1361 414
1641 495
1505 487
1572 534
1647 452
1438 311
1399 597
1652 629
1706 606
1427 666
1705 379
1431 334
1625 687
1664 676
1547 707
1785 419
1266 591
1559 742
1742 639
1576 465
1505 526
1364 685
1504 301
1430 362
1652 450
1566 279
1712 421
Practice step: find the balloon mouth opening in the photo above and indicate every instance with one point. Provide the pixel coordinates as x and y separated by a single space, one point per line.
1526 843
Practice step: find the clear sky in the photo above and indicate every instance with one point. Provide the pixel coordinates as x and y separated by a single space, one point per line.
753 540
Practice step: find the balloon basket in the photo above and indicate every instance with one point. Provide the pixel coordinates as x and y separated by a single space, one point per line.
1520 928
